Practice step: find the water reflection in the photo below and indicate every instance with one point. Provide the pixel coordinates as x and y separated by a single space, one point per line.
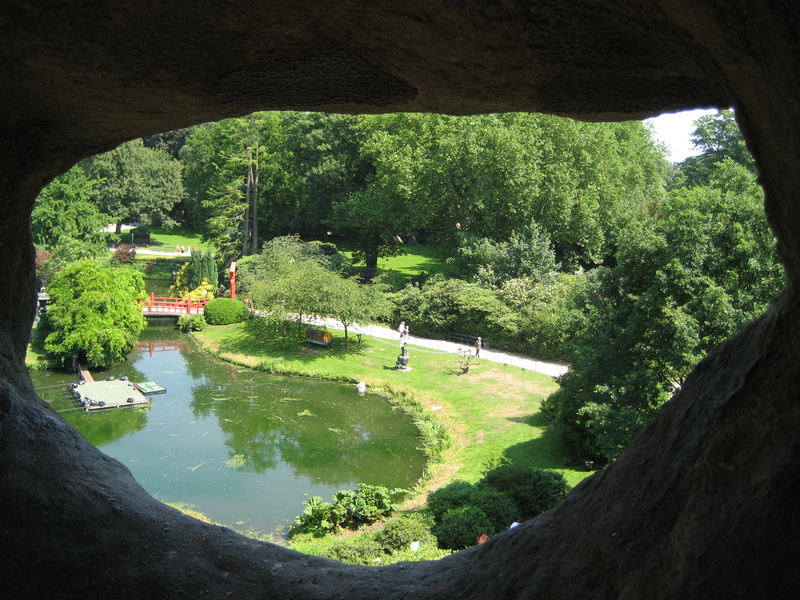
243 446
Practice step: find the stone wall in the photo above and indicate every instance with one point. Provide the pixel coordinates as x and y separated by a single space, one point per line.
701 505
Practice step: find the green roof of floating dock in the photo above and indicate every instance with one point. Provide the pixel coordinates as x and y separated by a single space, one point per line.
148 388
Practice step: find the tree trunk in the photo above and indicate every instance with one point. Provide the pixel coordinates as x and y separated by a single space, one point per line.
119 227
371 257
248 184
254 207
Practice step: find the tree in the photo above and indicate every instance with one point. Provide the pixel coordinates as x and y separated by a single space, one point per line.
64 212
233 167
353 302
526 255
718 137
138 183
202 267
95 314
684 281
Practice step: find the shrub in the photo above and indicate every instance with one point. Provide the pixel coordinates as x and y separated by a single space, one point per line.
317 518
191 323
398 534
350 508
366 550
450 496
365 505
532 490
500 509
224 311
441 306
125 254
459 527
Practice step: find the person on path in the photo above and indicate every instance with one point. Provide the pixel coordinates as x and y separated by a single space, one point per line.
406 332
478 347
401 329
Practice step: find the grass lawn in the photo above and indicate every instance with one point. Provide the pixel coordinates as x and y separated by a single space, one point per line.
166 240
491 411
413 261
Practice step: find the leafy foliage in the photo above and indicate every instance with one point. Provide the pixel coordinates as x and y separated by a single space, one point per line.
507 492
490 263
64 213
390 544
291 276
532 491
137 183
686 279
719 139
95 313
410 527
349 509
125 254
224 311
188 323
365 551
460 527
440 306
202 267
453 495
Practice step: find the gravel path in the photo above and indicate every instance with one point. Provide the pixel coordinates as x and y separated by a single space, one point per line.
507 358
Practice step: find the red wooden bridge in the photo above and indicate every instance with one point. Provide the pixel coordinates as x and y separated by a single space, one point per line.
165 306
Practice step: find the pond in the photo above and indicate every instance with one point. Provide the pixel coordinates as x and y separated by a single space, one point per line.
245 448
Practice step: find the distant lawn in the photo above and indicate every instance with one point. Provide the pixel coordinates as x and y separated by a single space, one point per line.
414 261
167 240
492 411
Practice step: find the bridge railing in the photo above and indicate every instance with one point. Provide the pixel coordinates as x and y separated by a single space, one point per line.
174 306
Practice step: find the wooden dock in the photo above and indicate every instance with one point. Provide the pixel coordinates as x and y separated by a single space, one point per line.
84 374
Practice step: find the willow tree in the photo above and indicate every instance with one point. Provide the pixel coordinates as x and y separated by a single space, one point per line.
95 315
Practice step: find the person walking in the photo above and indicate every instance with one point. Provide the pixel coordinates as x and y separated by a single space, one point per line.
401 329
478 345
406 332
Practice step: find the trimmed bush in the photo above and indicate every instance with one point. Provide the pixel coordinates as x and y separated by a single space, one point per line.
533 490
459 527
224 311
398 534
498 507
451 496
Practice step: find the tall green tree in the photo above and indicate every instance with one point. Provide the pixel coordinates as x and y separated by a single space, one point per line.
95 314
684 281
138 183
232 169
718 137
64 212
353 302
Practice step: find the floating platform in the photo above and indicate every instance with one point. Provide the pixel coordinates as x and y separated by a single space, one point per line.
150 388
112 394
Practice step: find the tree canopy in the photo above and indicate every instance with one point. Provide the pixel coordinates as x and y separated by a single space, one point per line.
683 282
95 313
136 183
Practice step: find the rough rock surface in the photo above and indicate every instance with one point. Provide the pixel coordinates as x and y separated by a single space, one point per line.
703 503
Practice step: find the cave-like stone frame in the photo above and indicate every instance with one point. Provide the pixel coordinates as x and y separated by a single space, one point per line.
703 503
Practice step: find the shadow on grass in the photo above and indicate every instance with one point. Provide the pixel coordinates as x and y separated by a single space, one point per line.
286 343
543 452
